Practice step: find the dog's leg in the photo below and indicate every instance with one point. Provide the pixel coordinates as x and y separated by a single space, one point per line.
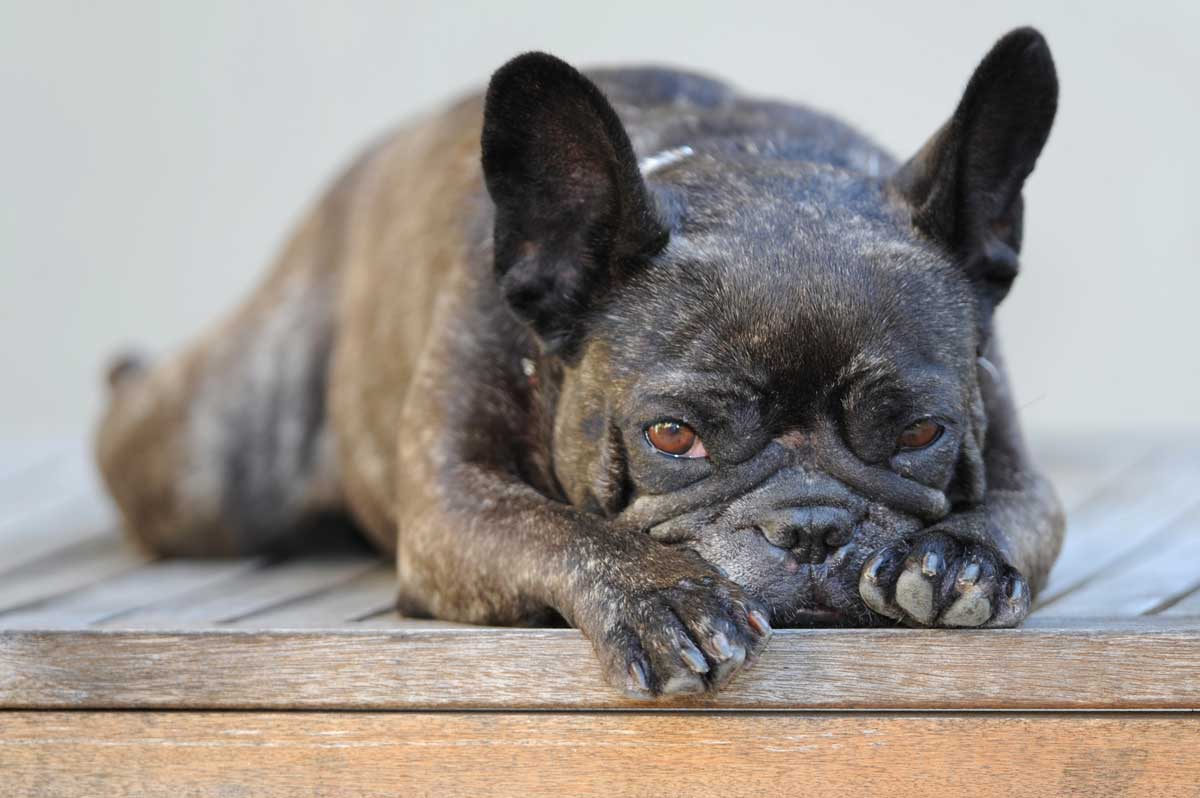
983 566
1024 514
479 543
226 449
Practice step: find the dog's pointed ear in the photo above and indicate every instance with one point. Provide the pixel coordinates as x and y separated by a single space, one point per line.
572 211
964 185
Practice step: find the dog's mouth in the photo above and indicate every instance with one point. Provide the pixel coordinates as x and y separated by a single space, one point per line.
794 538
803 585
818 616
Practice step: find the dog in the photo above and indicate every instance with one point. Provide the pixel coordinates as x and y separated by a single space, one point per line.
631 351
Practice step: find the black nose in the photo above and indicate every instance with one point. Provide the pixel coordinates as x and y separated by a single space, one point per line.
809 531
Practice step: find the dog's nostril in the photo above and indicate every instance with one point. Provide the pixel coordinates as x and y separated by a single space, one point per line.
781 530
808 531
838 528
832 526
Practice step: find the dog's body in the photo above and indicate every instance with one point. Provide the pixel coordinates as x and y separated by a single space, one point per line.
478 366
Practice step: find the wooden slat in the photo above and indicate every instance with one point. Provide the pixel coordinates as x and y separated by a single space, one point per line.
1105 665
121 595
73 568
1144 583
393 620
413 754
369 594
1123 522
247 593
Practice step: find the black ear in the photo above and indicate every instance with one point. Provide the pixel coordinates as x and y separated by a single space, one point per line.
572 211
964 186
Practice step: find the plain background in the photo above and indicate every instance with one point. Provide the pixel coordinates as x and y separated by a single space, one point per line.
155 154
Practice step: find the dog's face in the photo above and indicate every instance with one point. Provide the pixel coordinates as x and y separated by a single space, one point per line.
790 380
771 362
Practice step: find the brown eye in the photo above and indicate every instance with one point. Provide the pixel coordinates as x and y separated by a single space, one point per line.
675 439
920 434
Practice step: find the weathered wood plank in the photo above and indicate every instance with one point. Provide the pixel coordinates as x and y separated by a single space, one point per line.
70 569
1102 665
1142 584
393 620
1123 522
370 593
247 593
141 587
534 754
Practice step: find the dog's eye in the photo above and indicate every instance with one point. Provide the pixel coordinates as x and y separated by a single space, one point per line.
920 434
676 439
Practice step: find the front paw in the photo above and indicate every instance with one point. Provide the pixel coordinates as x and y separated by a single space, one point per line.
936 580
687 637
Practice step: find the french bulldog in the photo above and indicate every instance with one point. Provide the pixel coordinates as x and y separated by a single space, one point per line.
636 352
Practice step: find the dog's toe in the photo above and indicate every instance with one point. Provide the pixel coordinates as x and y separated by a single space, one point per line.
938 581
878 579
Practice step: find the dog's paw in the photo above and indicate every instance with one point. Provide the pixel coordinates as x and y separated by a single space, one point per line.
935 580
689 638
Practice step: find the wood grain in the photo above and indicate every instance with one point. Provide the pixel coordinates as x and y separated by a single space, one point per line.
1103 665
609 755
231 634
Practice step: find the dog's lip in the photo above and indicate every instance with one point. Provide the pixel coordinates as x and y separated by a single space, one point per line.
817 616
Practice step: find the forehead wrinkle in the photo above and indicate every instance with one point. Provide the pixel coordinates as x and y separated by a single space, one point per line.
865 366
685 384
928 384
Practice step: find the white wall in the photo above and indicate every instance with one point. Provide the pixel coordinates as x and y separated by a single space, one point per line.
153 154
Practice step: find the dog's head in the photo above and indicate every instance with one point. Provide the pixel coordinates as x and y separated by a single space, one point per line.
769 360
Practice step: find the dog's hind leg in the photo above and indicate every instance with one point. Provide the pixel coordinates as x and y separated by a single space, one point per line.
227 448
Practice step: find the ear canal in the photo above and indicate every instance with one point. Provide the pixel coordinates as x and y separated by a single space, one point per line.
964 186
571 207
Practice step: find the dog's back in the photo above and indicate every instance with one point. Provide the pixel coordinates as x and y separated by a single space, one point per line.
289 407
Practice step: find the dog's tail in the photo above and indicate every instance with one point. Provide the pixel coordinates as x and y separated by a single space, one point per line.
124 367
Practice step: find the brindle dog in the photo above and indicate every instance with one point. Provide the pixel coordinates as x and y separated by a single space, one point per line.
667 362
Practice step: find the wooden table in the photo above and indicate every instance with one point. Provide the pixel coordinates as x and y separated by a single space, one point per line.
292 676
